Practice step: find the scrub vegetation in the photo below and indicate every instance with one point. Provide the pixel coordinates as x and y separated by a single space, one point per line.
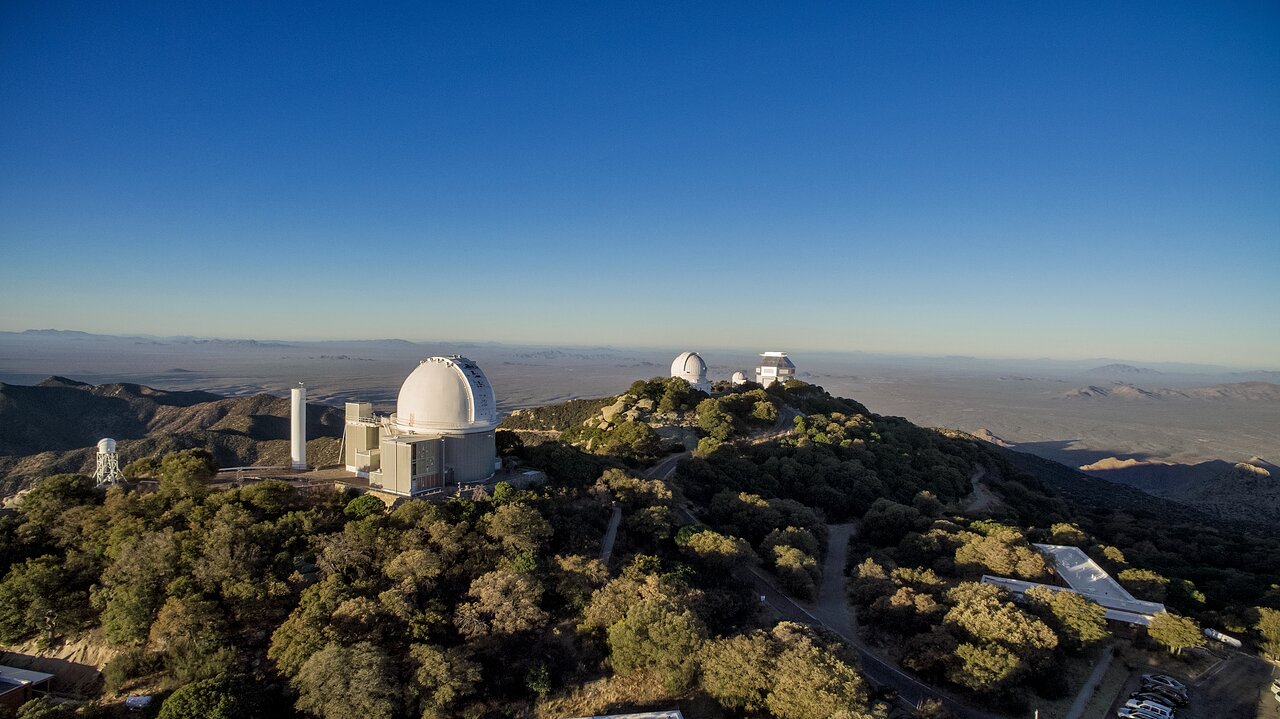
277 600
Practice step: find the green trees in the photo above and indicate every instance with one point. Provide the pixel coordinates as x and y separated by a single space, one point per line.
798 571
986 668
44 597
133 585
519 527
1145 584
503 603
442 677
658 637
1005 643
887 522
791 671
366 505
183 474
219 698
340 682
44 708
737 670
713 420
1175 633
1001 555
1077 620
718 551
51 497
1268 626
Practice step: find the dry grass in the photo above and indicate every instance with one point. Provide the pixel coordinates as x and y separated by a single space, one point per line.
620 695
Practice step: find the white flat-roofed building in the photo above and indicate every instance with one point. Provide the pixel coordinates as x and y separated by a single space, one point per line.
774 367
1086 578
19 686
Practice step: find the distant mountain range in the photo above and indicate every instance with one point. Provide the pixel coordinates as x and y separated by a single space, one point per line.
54 426
1233 391
1246 491
1121 370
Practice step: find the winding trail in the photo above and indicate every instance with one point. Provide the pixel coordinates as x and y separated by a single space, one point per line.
982 498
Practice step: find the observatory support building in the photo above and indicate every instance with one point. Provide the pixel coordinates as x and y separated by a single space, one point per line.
775 367
442 432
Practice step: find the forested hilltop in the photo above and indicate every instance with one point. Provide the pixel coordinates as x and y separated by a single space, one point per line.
278 600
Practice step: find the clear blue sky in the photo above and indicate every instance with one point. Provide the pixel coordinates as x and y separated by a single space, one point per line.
1009 179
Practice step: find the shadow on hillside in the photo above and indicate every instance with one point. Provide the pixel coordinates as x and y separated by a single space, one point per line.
69 678
1070 453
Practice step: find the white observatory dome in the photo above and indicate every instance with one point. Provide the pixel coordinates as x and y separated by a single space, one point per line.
739 377
689 367
106 445
449 394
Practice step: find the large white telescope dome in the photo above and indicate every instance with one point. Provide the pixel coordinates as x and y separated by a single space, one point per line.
689 367
446 394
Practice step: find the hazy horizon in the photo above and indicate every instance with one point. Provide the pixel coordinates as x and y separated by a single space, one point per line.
1075 181
1169 366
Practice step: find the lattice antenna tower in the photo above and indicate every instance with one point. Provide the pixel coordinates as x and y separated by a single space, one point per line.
108 469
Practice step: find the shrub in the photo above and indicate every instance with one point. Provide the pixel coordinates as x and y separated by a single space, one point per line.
127 665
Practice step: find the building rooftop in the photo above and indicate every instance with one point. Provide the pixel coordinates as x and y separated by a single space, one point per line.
1085 576
1132 612
22 676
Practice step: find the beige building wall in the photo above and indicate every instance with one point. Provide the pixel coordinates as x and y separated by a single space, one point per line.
359 442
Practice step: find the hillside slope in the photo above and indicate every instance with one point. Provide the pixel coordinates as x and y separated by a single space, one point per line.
54 426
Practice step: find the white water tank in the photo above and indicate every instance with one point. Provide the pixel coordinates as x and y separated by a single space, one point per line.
298 427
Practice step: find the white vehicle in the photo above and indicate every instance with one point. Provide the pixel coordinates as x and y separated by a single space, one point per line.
1130 713
1156 710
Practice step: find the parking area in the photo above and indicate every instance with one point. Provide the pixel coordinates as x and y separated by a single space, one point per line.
1233 685
1269 703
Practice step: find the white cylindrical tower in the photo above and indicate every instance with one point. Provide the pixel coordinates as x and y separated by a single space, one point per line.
298 435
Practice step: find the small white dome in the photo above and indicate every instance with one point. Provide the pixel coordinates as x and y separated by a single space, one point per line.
739 377
446 394
106 445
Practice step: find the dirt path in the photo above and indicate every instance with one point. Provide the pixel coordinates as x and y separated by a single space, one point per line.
982 498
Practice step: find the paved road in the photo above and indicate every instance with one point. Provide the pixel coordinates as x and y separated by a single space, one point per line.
611 534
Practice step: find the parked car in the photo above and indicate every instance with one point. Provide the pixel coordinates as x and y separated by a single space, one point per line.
1167 695
1164 680
1179 695
1152 708
1131 713
1156 697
